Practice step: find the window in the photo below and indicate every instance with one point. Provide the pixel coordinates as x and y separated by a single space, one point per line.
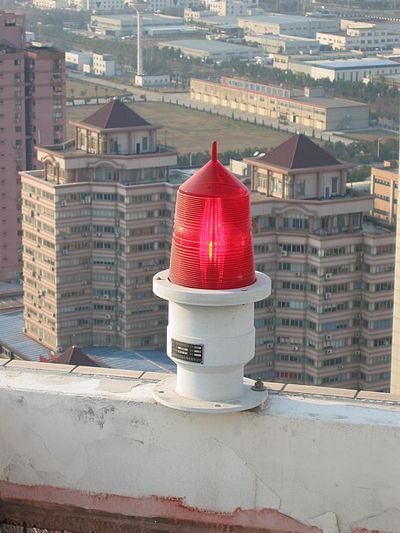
334 185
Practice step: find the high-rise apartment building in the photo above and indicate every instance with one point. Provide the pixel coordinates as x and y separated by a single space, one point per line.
97 226
384 186
329 319
32 110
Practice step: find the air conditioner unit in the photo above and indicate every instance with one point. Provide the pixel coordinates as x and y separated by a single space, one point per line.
295 348
298 274
108 317
62 203
357 353
65 252
99 235
328 337
108 267
328 351
328 295
269 345
119 298
110 327
119 328
358 315
340 367
328 276
284 253
106 297
24 330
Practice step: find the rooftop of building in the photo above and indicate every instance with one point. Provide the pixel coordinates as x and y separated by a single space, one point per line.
288 38
298 152
390 168
115 115
324 102
85 448
366 62
277 18
208 46
147 19
12 336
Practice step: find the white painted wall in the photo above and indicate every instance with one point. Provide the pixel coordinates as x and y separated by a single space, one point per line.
324 461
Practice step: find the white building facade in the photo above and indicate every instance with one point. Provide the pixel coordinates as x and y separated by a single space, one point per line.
346 69
289 25
362 36
103 65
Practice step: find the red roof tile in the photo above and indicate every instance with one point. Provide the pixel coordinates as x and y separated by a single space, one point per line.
74 356
298 152
115 114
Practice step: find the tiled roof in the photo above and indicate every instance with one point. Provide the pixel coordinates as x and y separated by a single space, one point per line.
115 114
11 334
298 152
75 356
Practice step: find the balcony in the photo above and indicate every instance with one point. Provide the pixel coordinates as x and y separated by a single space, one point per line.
86 449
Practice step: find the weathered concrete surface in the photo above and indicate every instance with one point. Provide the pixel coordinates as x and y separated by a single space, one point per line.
306 464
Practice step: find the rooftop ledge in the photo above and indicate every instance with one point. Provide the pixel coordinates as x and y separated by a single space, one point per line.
88 449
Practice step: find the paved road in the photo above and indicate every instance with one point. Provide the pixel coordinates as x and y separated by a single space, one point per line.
183 100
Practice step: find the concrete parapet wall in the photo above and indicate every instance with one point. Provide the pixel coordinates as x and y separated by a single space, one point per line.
80 446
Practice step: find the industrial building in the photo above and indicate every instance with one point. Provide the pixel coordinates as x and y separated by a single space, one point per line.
285 44
213 51
288 25
310 110
123 25
91 63
362 36
225 8
345 69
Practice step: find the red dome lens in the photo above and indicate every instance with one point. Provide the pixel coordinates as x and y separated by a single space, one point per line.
212 245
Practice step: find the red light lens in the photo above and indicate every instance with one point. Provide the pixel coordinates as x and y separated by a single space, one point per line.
212 246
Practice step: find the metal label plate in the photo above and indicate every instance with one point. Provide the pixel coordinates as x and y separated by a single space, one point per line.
187 352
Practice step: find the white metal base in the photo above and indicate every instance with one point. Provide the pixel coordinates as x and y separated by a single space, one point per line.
164 392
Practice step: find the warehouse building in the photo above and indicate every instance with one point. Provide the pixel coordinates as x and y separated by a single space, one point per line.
285 44
309 110
345 69
213 51
123 25
362 36
289 25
